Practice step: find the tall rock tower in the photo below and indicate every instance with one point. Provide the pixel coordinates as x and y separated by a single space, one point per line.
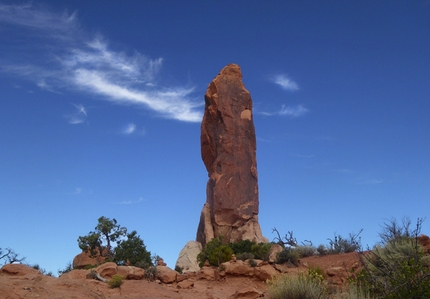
228 147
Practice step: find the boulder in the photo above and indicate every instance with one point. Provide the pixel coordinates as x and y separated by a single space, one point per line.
166 275
265 272
19 270
228 148
273 253
187 259
83 260
107 270
336 276
207 273
424 241
238 268
185 284
131 272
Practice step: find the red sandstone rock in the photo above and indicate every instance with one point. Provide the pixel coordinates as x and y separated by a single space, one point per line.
228 146
166 275
84 259
19 270
424 241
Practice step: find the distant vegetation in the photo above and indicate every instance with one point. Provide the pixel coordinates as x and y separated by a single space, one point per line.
130 248
396 268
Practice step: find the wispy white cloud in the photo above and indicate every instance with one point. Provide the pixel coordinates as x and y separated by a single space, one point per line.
285 82
292 111
130 202
78 116
129 129
90 65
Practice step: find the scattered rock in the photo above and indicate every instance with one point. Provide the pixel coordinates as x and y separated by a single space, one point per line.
206 273
166 275
131 272
238 268
160 262
247 293
185 284
265 272
228 147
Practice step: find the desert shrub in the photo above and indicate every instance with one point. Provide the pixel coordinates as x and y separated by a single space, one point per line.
244 256
241 246
302 286
8 256
41 270
352 291
143 265
305 251
396 268
316 273
88 267
116 281
92 274
132 250
322 249
261 251
150 273
215 252
67 269
252 263
344 245
178 269
289 255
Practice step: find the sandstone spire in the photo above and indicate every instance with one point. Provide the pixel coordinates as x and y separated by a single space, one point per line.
228 148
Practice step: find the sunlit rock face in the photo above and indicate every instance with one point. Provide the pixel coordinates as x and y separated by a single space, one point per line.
228 147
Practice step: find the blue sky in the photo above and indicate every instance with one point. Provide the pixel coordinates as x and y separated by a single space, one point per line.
101 104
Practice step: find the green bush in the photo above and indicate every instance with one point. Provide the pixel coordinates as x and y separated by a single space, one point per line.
289 255
397 267
67 269
252 263
305 251
241 246
178 269
215 252
344 245
261 251
116 281
132 250
302 286
245 256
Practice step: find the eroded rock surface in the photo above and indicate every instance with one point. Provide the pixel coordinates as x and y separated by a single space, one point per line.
228 146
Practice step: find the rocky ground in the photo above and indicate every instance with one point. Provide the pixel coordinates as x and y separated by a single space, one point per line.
237 280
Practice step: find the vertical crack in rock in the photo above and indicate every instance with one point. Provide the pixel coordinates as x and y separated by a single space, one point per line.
228 147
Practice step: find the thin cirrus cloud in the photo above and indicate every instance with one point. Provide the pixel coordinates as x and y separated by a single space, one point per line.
79 116
63 57
285 82
129 129
130 202
291 111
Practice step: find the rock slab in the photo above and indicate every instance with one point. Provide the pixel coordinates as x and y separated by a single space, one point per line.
228 148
